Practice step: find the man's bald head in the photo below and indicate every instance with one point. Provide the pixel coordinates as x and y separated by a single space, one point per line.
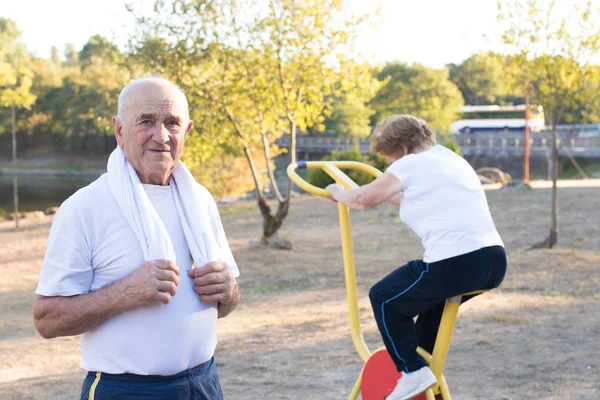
152 124
138 89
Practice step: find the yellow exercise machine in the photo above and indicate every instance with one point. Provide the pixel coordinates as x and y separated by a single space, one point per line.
436 360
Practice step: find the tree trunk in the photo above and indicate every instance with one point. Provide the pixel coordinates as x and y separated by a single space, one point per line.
14 162
272 223
526 141
248 155
267 153
292 154
553 237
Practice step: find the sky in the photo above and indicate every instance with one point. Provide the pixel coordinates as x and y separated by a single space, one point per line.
430 32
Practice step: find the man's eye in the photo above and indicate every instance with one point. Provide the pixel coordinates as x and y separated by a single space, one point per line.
146 122
173 123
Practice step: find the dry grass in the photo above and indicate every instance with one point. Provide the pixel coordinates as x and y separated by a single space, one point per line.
535 338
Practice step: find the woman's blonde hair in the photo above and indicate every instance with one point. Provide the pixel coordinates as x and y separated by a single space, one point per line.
396 130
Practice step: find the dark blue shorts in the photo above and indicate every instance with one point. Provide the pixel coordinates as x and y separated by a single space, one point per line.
198 383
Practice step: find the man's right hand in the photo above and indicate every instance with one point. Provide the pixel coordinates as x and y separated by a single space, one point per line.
154 280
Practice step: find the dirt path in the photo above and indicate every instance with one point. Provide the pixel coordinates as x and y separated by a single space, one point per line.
535 338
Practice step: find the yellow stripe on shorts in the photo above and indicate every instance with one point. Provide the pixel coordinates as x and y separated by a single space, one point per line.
93 388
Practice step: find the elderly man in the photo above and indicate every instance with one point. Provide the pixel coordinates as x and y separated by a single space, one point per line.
138 262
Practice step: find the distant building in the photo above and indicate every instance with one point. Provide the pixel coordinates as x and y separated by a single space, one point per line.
498 118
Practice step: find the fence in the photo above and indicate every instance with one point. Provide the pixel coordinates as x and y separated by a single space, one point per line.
578 143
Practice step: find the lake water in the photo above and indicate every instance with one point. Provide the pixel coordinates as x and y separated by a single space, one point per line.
37 194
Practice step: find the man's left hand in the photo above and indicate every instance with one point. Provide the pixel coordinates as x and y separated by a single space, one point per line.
214 283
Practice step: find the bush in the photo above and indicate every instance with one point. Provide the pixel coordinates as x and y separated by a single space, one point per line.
319 178
450 142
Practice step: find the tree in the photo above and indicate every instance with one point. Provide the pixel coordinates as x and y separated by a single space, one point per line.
71 56
418 90
585 105
350 120
258 69
553 49
15 85
480 78
97 49
55 55
80 107
349 116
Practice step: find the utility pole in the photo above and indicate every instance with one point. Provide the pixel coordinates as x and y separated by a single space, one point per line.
526 142
14 162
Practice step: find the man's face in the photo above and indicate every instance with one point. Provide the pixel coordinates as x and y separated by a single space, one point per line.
152 130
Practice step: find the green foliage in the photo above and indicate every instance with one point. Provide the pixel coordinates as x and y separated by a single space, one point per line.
16 78
81 109
319 178
71 56
250 80
347 114
15 91
350 120
450 142
480 78
68 104
424 92
99 50
554 50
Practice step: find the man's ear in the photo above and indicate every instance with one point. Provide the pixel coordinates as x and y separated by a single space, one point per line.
189 127
118 128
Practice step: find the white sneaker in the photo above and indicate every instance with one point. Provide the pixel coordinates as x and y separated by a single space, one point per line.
412 383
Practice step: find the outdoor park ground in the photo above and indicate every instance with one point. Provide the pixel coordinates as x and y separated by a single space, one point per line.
537 337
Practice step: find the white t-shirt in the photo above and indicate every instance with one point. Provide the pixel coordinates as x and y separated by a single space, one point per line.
90 246
444 204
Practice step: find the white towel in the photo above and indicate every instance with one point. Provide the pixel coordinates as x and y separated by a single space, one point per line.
196 208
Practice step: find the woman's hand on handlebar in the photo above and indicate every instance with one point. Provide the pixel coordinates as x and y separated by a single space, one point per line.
335 189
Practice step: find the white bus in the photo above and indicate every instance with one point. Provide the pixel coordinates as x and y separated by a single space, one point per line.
498 118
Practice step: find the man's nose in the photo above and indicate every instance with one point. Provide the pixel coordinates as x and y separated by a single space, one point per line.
161 134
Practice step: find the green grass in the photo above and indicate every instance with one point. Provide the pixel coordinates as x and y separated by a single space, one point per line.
568 171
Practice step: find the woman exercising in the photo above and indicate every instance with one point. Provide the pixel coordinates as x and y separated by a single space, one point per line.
442 201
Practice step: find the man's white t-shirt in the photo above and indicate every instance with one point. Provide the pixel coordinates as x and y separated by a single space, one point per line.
443 202
91 246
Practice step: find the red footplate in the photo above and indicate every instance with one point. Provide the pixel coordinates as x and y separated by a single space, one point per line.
380 377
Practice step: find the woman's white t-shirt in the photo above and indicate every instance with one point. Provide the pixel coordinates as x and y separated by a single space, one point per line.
443 202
